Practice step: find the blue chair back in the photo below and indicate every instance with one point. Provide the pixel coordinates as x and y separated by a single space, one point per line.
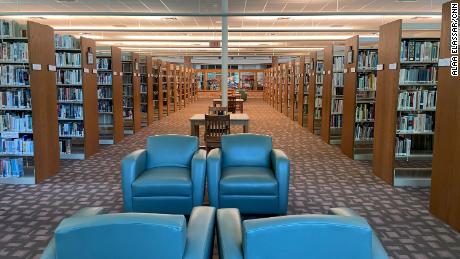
307 236
125 235
246 150
171 150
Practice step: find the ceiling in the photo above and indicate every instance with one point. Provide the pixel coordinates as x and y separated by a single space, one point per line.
257 27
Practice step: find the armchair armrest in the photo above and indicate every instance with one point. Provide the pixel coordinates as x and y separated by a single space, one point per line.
214 167
378 251
229 234
281 166
50 250
132 166
198 175
200 233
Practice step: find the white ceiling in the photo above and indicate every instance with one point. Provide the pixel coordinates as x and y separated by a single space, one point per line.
177 35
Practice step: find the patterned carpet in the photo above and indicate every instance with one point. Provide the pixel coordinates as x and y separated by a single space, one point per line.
321 178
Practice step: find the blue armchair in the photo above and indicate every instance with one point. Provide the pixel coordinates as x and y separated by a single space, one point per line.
344 235
167 177
246 173
88 234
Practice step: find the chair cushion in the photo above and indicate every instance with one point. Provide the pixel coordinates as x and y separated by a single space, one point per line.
170 150
248 181
246 150
163 181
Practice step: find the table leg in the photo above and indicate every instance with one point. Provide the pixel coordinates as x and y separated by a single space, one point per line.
197 130
246 127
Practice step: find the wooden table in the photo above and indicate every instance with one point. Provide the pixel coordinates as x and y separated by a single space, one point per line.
239 103
235 119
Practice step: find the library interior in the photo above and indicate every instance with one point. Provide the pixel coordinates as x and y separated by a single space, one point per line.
230 129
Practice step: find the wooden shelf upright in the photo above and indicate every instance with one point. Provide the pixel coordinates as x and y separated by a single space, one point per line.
43 161
169 88
301 109
327 93
291 89
150 79
137 116
445 191
311 116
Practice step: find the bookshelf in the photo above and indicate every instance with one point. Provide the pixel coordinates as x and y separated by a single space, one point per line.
163 90
170 88
175 74
326 98
359 100
33 120
302 91
156 86
149 97
405 107
128 103
316 94
143 83
109 93
77 103
312 92
284 89
291 72
336 112
445 177
136 93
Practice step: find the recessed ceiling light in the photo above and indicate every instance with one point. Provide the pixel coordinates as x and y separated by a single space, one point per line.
218 22
283 18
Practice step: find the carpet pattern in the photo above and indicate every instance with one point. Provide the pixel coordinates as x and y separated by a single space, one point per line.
321 178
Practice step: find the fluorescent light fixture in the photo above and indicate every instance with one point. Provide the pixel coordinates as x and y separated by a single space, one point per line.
185 43
236 38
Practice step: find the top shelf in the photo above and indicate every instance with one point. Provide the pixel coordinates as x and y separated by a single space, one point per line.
13 39
68 50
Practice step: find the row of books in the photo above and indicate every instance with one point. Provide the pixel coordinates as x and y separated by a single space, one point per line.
69 94
365 112
415 123
71 129
319 67
104 92
337 79
105 119
14 75
69 76
105 106
70 111
408 75
11 167
104 63
143 88
127 114
127 103
127 90
127 79
11 28
337 106
127 68
416 50
65 146
15 123
338 64
337 121
318 102
419 99
319 90
15 99
367 59
367 82
66 42
14 52
17 146
403 146
317 114
364 132
319 78
67 59
104 78
337 92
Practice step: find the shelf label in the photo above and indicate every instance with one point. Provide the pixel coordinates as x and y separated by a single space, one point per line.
329 72
51 68
324 72
86 70
115 73
345 70
37 67
380 67
94 71
121 73
444 62
353 70
392 66
10 134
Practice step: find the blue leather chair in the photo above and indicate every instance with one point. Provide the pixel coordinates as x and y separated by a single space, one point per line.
167 177
90 234
246 173
341 236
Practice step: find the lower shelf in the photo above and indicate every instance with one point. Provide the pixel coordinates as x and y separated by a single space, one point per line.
75 156
106 141
418 177
27 178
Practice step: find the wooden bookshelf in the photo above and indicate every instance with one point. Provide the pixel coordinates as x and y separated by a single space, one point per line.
150 80
170 88
413 165
325 130
127 84
175 74
445 193
337 87
143 82
161 87
77 115
137 116
155 86
312 110
359 101
291 89
302 94
43 161
110 100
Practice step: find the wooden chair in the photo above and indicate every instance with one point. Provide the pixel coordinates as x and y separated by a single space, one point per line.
217 110
232 104
215 127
